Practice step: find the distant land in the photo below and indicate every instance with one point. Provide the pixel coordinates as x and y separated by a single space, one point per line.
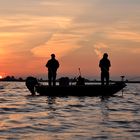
12 78
20 79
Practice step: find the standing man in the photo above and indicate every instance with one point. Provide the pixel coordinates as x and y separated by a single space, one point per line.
104 64
52 66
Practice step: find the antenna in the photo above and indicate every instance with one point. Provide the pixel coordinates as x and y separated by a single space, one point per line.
79 71
122 78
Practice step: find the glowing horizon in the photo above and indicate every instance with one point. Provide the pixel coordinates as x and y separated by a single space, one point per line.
78 32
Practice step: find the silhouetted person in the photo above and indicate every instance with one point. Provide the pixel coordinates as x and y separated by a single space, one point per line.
52 66
104 64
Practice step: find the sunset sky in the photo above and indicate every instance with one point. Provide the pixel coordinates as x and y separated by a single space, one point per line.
77 31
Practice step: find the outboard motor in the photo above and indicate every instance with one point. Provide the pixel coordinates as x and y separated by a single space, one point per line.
31 82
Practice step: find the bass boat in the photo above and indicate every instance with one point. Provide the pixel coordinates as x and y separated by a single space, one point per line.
73 90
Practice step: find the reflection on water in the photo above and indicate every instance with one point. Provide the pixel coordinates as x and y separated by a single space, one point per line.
54 118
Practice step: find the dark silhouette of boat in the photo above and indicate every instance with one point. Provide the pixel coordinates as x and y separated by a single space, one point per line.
73 90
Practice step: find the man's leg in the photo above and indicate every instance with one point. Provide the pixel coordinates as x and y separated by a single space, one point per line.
102 78
50 78
54 79
107 78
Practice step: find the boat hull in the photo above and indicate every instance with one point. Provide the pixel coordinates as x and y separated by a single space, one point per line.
85 90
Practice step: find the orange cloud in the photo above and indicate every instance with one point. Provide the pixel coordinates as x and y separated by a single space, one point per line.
58 44
122 35
98 49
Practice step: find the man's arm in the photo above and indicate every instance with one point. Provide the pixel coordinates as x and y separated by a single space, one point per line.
47 64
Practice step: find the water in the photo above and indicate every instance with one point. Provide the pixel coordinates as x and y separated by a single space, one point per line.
23 117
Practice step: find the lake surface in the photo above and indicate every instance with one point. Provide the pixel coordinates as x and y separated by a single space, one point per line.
23 117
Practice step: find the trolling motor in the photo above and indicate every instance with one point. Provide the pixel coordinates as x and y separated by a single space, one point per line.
122 82
122 78
31 82
80 79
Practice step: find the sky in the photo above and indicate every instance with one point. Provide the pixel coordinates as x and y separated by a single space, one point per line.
77 31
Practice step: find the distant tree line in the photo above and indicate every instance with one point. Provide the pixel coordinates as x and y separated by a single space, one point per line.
12 78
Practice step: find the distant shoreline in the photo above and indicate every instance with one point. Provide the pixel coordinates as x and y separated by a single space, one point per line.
71 80
117 81
87 81
93 81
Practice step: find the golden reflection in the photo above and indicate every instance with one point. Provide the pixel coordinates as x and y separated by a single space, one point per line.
121 117
2 124
21 120
35 115
16 116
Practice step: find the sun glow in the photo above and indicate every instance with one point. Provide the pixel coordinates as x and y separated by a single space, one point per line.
1 77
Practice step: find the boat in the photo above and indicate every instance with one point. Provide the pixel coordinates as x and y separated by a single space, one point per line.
73 90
